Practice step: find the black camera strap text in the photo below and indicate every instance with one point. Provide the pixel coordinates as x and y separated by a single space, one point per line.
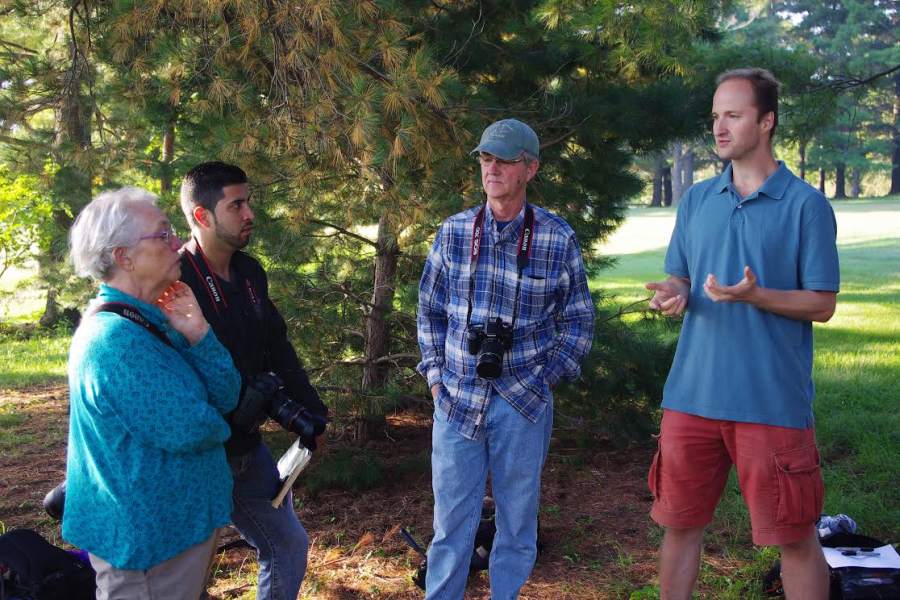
523 253
134 315
211 283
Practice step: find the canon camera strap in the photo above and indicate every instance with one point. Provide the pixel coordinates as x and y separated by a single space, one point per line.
212 285
216 294
523 253
134 315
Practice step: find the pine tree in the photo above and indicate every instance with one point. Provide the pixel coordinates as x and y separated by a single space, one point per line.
355 120
855 42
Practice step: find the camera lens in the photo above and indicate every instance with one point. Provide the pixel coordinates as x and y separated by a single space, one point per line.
490 360
294 417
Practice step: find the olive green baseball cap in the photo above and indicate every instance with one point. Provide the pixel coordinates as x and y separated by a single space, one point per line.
508 139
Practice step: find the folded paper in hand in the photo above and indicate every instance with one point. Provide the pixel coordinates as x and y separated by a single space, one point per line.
290 464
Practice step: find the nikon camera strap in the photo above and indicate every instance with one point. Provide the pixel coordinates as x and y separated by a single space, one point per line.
134 315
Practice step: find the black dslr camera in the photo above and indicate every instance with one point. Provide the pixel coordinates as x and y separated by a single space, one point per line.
488 342
264 396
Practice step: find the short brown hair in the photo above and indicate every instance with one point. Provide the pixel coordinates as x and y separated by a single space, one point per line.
203 185
765 90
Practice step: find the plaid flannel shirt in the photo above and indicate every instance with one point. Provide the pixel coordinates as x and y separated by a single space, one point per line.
553 329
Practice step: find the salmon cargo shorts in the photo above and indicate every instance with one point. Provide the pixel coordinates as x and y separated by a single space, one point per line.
778 471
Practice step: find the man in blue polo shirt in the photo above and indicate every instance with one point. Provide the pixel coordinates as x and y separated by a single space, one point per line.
752 262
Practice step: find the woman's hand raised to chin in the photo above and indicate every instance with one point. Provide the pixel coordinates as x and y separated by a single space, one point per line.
180 305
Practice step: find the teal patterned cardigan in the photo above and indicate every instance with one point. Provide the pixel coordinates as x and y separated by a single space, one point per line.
146 468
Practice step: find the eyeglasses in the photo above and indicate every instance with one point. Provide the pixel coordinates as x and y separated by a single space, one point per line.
489 159
167 235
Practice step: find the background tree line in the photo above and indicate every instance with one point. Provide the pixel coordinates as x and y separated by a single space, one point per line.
354 120
840 63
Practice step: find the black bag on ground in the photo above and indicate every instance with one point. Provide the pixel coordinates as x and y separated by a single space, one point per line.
481 550
861 583
847 583
31 568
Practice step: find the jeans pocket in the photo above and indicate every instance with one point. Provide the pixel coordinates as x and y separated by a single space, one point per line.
800 488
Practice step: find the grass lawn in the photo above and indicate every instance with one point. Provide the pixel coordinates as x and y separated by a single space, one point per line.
856 371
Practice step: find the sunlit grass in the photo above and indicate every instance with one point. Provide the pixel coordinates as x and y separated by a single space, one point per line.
34 359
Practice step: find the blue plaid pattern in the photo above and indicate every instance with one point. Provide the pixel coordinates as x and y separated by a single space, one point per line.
553 329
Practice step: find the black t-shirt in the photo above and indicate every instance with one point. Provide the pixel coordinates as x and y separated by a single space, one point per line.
247 323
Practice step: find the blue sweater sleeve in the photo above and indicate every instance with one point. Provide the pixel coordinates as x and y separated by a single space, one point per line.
156 394
214 366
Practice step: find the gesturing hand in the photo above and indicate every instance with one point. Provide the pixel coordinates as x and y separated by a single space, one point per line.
671 298
180 305
742 291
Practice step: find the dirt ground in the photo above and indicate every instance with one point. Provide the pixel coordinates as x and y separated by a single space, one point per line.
598 541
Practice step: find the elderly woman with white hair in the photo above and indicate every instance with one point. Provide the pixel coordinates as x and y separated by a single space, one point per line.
148 482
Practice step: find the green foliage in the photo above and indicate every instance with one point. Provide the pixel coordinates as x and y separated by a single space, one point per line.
350 469
852 42
354 120
622 379
24 217
648 592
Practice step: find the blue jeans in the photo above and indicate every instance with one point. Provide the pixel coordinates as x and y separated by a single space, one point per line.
281 542
513 450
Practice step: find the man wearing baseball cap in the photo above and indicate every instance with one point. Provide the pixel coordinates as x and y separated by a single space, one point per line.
504 315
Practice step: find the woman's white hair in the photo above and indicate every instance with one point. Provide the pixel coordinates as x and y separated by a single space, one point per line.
102 226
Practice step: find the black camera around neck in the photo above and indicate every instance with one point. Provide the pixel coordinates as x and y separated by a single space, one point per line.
488 342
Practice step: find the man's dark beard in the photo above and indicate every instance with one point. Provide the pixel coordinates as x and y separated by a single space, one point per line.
234 241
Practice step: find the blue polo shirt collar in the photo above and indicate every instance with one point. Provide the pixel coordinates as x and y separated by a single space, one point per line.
774 187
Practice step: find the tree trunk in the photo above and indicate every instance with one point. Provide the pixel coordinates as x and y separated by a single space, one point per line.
667 186
840 181
677 165
822 180
856 182
687 174
377 333
658 167
71 184
51 310
168 151
895 139
802 151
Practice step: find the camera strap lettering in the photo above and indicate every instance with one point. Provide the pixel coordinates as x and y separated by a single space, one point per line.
213 286
134 315
523 254
224 322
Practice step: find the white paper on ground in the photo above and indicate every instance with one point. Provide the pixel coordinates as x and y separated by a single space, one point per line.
884 557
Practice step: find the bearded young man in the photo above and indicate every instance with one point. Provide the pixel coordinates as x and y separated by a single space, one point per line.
233 292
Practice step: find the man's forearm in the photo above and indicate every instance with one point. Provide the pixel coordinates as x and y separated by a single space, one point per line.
802 305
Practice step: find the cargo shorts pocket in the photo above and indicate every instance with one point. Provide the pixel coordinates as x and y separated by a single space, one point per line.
800 488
